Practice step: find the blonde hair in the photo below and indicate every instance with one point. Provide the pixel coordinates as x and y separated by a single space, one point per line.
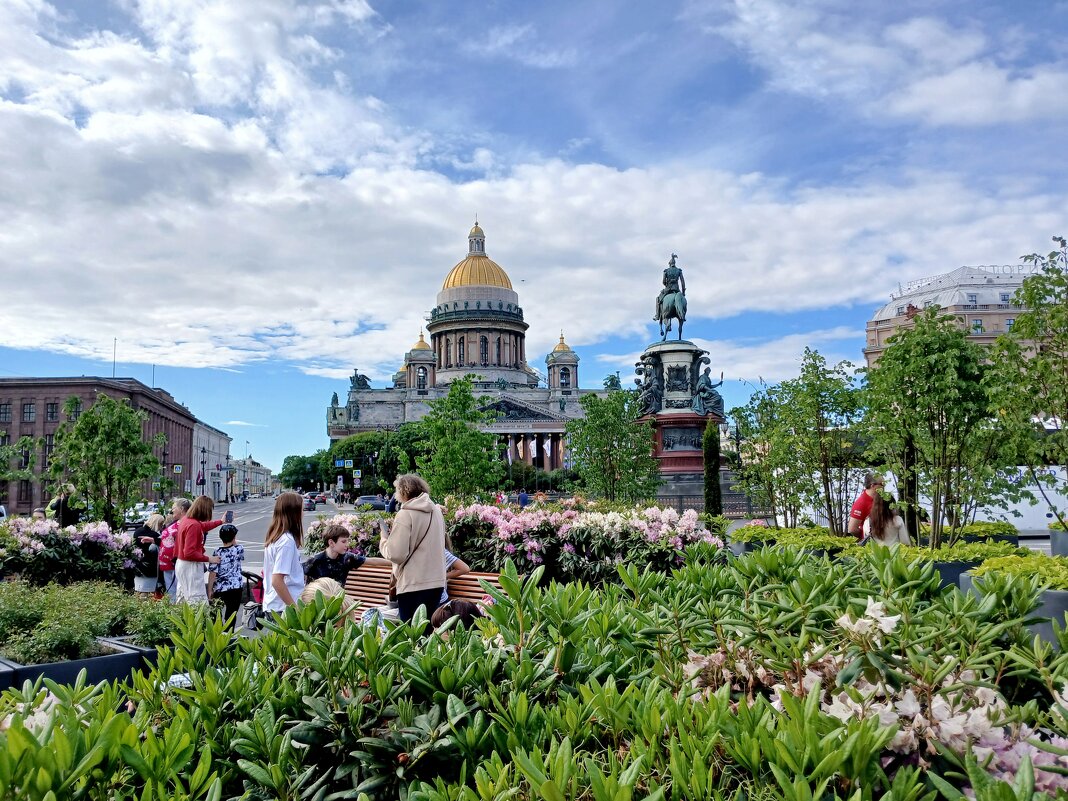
155 522
201 509
411 486
329 588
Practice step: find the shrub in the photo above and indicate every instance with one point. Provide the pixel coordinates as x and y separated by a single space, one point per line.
363 529
41 552
55 623
1050 571
982 529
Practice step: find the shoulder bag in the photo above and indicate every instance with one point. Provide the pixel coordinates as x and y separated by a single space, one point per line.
391 592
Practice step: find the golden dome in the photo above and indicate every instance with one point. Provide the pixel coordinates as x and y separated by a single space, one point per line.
561 346
421 344
476 231
477 271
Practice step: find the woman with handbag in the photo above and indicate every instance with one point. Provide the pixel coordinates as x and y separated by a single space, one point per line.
416 547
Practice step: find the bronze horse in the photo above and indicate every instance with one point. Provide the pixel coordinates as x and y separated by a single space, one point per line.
673 305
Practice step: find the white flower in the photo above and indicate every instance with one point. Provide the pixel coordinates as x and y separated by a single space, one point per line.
877 614
908 706
861 626
809 680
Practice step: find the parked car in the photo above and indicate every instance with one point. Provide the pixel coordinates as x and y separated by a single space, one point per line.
376 503
320 498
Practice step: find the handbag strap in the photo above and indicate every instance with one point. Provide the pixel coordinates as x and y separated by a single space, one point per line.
416 548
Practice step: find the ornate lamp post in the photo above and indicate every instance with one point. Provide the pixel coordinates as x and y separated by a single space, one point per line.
163 475
203 475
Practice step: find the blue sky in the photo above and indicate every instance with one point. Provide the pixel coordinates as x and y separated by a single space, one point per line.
257 197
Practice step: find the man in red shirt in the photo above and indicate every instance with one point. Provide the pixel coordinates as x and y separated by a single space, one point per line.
873 483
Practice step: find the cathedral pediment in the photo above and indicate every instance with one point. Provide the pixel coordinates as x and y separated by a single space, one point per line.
511 408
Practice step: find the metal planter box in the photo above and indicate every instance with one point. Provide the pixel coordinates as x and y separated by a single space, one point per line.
117 665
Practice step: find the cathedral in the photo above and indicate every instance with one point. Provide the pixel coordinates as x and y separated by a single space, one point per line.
476 327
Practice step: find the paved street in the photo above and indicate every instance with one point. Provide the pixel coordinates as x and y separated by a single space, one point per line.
252 519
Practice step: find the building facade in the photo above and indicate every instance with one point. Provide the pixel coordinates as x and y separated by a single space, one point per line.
981 298
476 327
34 407
211 454
248 475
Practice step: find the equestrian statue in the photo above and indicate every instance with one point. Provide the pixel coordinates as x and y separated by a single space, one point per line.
672 300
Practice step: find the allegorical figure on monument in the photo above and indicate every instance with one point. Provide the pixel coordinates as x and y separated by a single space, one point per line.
671 303
650 396
357 381
705 398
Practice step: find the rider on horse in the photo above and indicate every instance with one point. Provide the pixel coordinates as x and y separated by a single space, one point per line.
672 299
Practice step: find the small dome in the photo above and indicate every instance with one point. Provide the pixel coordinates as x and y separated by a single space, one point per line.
476 231
561 346
421 344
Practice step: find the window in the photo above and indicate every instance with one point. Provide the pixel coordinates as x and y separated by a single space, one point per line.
448 353
29 412
565 377
1006 297
460 351
76 412
5 412
25 492
900 311
973 299
5 439
52 412
928 304
1008 324
498 351
977 326
483 351
420 378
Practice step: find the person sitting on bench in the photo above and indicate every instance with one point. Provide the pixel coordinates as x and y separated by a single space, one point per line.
336 561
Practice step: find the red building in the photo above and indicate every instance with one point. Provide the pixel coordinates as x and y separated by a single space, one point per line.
34 407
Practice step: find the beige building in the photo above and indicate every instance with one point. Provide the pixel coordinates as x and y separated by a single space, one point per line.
476 327
980 297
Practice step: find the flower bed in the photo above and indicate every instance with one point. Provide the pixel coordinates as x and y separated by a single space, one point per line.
41 552
574 545
775 676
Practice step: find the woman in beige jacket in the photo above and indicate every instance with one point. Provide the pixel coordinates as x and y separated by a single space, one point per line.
416 547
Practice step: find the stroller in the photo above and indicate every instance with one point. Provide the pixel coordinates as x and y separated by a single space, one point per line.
251 601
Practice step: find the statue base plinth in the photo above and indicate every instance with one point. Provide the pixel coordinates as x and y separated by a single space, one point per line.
679 440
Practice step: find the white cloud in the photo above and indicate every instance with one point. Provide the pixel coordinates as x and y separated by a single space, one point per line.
519 43
922 68
747 360
243 423
155 207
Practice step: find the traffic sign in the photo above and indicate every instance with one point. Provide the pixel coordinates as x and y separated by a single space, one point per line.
358 474
339 463
177 468
348 463
356 483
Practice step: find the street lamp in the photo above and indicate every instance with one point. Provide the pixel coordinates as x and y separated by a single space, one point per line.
203 464
229 493
163 475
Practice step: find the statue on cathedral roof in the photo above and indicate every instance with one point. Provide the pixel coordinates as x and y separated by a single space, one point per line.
358 381
334 400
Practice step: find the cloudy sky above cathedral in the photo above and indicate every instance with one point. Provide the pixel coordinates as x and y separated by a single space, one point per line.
256 196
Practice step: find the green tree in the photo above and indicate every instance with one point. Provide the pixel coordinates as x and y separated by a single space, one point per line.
25 452
1032 358
106 456
299 471
770 473
613 452
713 492
821 409
462 459
930 422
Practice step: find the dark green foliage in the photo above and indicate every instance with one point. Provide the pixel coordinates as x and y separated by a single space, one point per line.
53 623
713 492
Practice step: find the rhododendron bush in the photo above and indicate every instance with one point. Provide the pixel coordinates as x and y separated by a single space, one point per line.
775 676
42 552
574 545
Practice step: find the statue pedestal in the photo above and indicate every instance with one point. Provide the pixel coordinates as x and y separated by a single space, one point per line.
675 368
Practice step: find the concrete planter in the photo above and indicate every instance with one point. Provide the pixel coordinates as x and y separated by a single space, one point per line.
1058 542
119 664
949 573
1052 606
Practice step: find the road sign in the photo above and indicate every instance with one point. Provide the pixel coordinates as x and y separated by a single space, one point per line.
177 468
356 483
348 463
339 463
341 481
358 474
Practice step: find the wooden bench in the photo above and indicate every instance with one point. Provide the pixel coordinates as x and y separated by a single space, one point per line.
368 585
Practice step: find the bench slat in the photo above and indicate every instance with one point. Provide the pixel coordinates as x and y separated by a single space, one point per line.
368 585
